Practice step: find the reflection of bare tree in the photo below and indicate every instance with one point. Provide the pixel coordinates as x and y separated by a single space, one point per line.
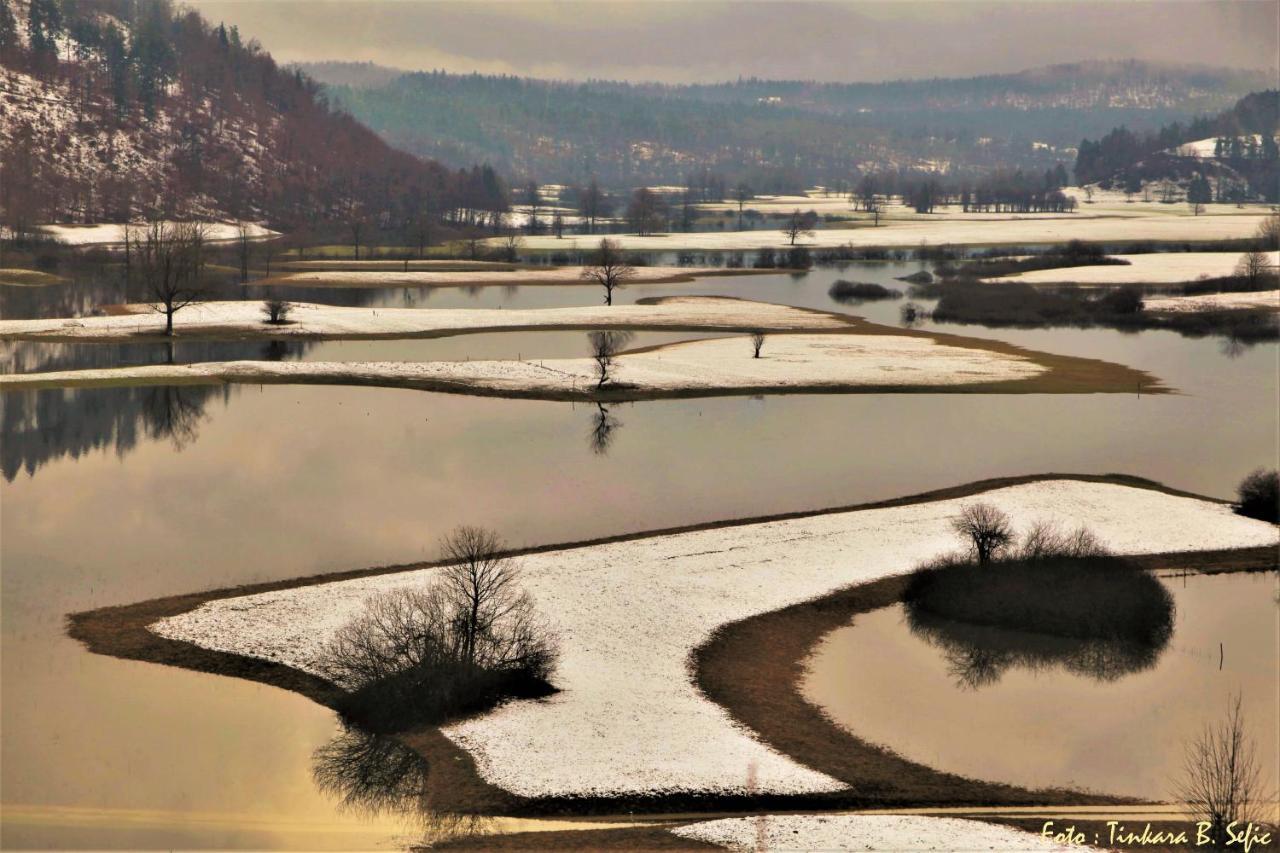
978 655
1233 347
603 426
380 775
174 412
371 773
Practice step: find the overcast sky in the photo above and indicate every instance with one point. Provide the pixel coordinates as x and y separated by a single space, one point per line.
683 41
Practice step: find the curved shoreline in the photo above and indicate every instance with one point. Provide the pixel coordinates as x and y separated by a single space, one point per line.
727 668
696 369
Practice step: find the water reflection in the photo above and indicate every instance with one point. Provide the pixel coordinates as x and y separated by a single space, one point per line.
379 775
41 426
603 426
978 656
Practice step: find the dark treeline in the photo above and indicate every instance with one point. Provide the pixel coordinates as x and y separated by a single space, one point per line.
565 133
115 109
1245 162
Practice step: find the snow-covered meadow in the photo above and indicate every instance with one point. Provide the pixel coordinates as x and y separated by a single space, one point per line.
1268 300
629 718
956 230
112 234
1154 268
861 832
314 320
801 361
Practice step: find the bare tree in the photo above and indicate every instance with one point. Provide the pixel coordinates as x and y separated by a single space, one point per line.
422 654
798 225
591 205
511 246
645 211
605 346
610 269
533 197
757 342
1269 231
244 241
356 224
276 310
987 529
1254 266
1222 779
742 194
170 260
483 582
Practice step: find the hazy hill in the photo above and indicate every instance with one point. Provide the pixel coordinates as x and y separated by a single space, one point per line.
776 134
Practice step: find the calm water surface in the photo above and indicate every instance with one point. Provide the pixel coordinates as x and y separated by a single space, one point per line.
112 496
1051 727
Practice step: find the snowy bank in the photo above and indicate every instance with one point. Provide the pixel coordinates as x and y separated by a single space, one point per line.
1155 268
861 832
629 718
957 231
1267 300
797 362
385 276
309 320
112 234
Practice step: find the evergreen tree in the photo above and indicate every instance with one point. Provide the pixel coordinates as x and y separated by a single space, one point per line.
44 25
8 27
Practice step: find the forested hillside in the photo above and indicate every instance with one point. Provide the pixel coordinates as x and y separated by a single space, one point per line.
778 136
115 109
1228 157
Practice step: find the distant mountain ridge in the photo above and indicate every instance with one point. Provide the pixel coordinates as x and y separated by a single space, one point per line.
776 134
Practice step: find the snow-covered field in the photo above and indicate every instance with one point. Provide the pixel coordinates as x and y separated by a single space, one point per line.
309 319
391 277
628 718
801 361
861 832
1264 299
112 234
957 231
1154 268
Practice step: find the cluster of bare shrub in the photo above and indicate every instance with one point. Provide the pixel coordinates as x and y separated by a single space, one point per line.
989 535
461 644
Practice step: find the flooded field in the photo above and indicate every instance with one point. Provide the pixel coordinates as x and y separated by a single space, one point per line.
1042 722
116 495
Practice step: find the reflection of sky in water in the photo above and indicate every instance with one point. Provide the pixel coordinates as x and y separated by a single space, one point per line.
138 495
1049 726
